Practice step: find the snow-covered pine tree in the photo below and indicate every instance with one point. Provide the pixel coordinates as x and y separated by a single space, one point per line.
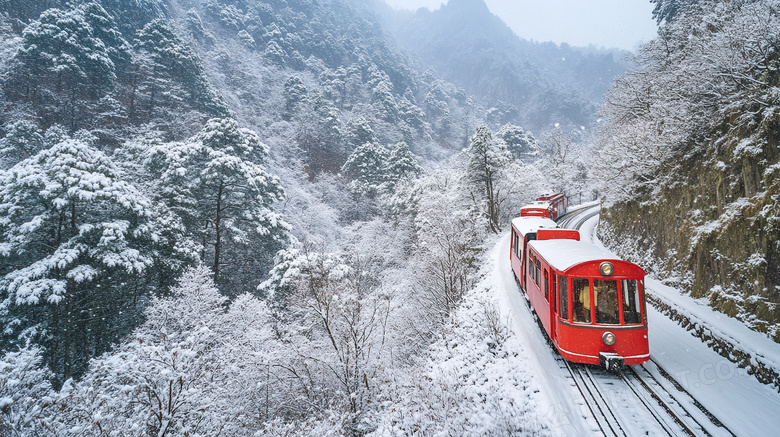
359 132
486 157
519 142
76 243
172 75
216 182
23 139
667 10
295 93
65 65
365 168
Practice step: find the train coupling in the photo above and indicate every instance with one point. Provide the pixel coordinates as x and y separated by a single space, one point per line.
611 361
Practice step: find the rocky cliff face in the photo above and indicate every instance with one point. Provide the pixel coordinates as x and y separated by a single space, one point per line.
689 158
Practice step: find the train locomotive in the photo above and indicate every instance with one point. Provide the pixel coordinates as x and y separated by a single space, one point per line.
590 303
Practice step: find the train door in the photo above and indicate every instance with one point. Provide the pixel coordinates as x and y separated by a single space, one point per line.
553 307
524 261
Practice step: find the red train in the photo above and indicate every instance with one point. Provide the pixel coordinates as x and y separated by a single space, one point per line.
591 304
558 204
552 206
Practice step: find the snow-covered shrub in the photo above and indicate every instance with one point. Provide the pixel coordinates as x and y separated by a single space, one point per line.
475 382
450 233
196 367
26 395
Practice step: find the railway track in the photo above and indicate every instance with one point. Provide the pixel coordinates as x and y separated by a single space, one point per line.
639 400
595 400
636 402
574 219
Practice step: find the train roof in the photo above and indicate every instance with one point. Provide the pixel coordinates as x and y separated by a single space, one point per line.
525 225
565 254
538 204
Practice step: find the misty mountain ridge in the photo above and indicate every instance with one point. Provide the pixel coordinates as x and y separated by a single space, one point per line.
540 84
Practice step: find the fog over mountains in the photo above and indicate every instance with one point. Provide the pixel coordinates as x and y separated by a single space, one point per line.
535 84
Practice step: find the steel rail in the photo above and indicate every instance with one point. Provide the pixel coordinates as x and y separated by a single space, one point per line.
595 401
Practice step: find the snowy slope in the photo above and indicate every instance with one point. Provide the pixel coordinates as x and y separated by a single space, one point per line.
565 409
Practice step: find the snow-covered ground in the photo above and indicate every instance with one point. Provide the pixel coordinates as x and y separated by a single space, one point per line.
738 400
565 410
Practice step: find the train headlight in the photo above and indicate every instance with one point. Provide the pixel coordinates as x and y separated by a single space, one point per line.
607 269
608 338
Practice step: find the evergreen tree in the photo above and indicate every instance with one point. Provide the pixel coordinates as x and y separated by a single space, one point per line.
295 93
667 10
22 140
520 143
172 75
135 14
76 243
359 132
218 184
384 102
411 114
366 168
65 65
486 157
401 164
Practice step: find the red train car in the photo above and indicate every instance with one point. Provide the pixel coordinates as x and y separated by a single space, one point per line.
524 229
591 304
558 204
537 209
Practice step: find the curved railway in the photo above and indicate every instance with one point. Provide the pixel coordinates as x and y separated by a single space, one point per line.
642 399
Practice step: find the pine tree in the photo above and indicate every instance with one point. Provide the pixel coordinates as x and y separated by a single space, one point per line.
383 101
173 74
486 157
22 140
359 132
295 93
366 168
520 143
76 243
217 183
667 10
401 164
67 62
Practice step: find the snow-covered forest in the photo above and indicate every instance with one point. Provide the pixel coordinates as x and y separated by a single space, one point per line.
272 217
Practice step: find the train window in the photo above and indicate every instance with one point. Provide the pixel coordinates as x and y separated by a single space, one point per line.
581 300
538 271
563 298
631 303
546 285
605 296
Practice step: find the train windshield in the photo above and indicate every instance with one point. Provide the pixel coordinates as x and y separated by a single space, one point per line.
631 302
580 292
605 295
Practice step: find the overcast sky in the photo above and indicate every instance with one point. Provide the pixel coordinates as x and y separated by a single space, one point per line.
603 23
